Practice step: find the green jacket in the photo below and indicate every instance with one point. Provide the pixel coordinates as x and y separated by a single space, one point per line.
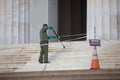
43 34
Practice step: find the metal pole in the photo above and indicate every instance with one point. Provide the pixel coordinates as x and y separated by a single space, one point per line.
94 32
58 37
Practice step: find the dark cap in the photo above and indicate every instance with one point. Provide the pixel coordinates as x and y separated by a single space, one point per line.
45 25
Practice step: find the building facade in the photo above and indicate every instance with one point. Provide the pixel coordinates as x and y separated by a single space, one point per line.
21 20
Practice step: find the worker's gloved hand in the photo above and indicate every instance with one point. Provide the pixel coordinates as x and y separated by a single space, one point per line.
50 27
51 37
58 37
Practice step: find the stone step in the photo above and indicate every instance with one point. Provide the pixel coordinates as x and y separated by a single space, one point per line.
14 62
11 65
14 57
113 74
6 70
76 55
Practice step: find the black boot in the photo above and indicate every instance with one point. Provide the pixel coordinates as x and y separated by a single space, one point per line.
47 62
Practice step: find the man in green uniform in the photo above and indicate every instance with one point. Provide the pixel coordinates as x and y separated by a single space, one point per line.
44 43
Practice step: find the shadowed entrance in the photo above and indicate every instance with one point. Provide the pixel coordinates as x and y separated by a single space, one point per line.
72 17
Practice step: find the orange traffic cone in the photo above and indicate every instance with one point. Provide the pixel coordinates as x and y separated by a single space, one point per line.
95 61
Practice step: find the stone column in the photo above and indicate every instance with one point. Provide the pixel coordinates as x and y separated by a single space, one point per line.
14 21
106 19
104 15
22 21
27 21
118 18
8 22
99 17
113 20
2 13
93 17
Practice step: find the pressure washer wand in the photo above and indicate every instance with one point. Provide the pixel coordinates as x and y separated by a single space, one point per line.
58 37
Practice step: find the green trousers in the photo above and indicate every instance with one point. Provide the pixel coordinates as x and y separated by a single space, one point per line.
43 58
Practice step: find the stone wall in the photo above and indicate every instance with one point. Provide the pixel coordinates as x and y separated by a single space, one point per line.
38 17
53 15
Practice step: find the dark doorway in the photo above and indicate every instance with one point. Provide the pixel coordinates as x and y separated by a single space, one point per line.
72 18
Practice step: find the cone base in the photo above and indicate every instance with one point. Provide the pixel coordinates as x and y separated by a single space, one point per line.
95 64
